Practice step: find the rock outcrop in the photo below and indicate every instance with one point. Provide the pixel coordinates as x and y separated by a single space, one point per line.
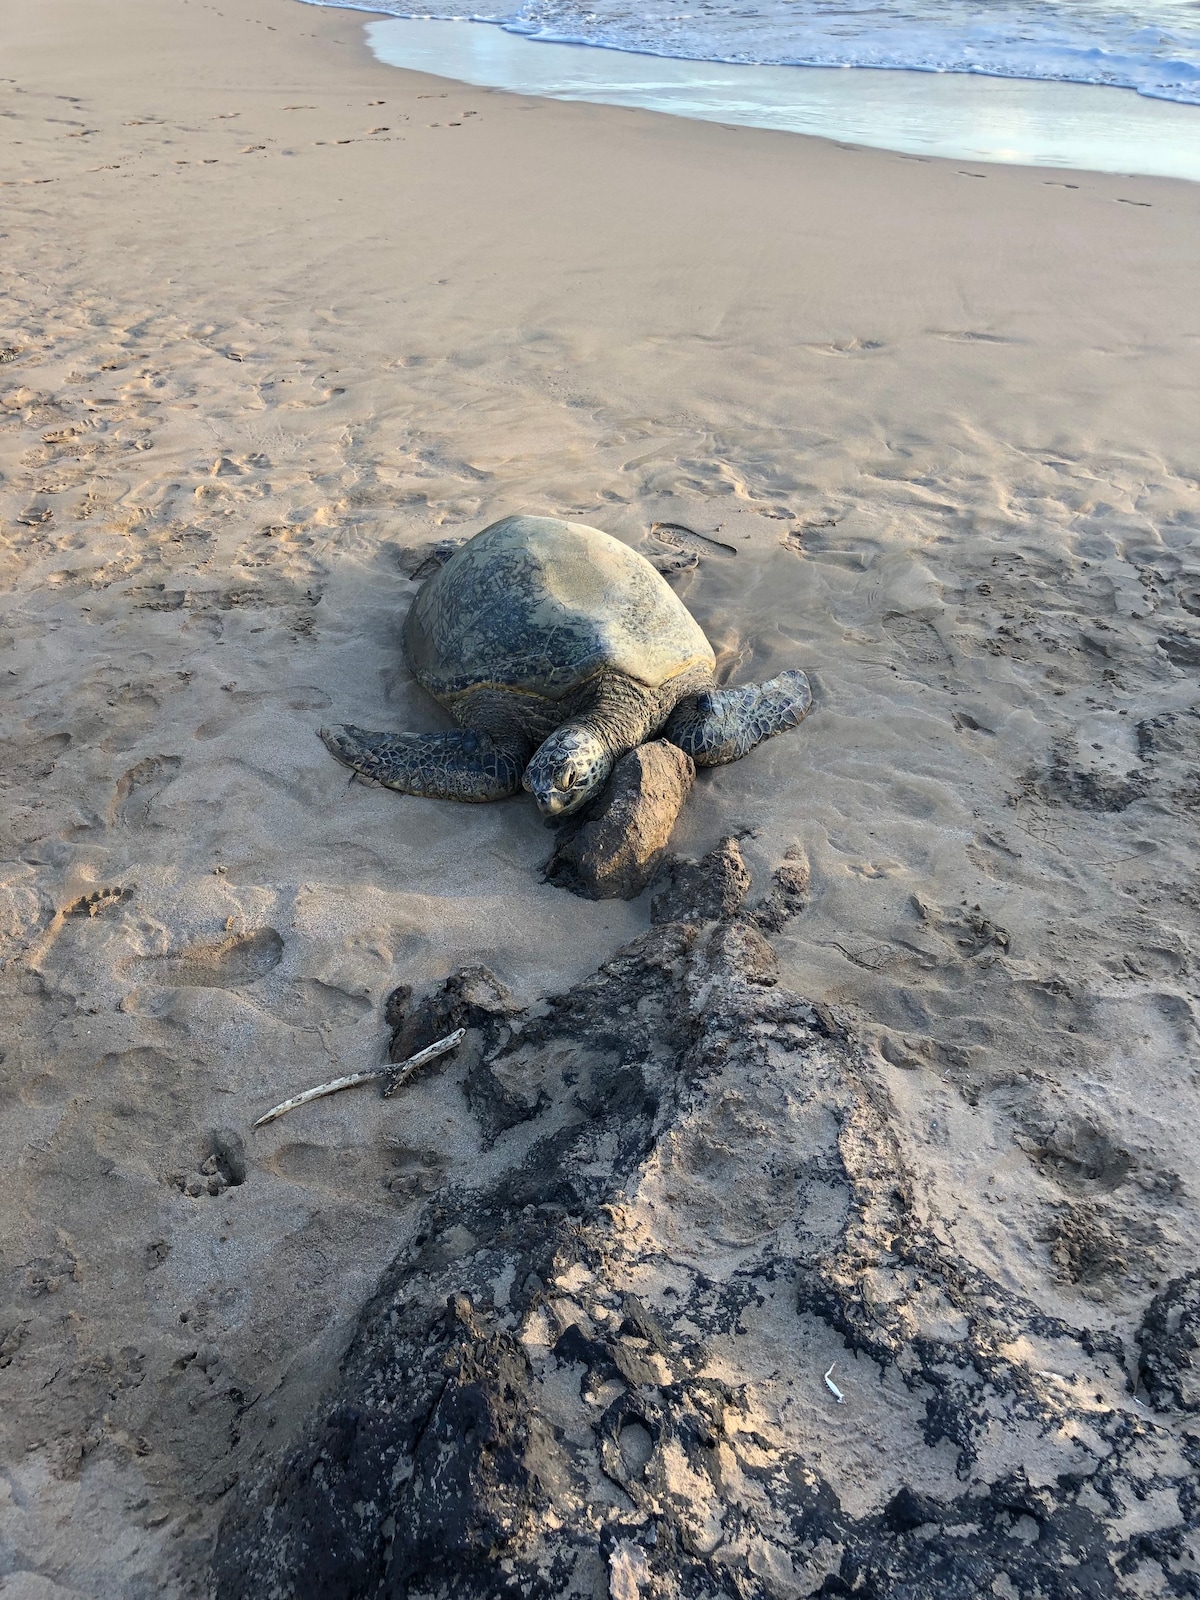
695 1336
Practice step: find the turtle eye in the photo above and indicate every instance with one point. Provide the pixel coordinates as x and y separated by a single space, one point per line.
565 779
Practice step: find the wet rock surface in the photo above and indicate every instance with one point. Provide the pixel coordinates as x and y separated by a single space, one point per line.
614 1366
615 852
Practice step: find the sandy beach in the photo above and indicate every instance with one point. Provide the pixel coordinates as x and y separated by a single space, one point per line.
274 317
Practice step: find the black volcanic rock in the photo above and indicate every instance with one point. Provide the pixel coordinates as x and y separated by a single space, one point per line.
602 1370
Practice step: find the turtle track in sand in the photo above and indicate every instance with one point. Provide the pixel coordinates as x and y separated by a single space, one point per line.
602 1372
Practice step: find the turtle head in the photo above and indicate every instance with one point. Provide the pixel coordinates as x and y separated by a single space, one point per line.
567 770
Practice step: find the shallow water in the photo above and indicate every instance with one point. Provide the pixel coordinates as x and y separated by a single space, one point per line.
1152 46
962 116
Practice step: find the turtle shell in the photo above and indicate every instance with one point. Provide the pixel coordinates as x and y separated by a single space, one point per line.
539 606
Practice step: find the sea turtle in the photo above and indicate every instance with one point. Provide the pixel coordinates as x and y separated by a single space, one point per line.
552 640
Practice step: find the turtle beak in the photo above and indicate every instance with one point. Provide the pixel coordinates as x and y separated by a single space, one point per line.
549 801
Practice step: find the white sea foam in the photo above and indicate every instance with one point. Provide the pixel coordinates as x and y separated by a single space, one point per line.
1151 46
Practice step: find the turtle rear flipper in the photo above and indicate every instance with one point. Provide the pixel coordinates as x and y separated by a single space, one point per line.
443 766
720 725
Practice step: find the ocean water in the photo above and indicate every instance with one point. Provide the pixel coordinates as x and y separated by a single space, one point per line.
965 117
1150 46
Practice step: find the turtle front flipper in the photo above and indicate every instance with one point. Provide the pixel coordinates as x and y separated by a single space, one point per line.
720 725
443 766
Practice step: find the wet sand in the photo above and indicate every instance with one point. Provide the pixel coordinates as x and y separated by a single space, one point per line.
959 115
273 315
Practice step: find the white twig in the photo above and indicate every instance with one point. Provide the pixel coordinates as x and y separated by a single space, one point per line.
832 1387
318 1093
398 1072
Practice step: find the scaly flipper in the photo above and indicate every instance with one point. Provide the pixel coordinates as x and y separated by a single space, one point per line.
720 725
443 766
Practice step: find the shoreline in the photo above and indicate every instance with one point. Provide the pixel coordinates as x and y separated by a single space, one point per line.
953 116
276 317
704 59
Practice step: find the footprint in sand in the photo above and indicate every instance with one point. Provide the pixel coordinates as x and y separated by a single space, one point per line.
139 788
673 564
227 964
681 537
388 1172
1079 1155
29 761
967 724
222 1167
972 336
98 901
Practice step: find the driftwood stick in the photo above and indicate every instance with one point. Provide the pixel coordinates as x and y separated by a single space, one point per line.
396 1072
322 1089
399 1072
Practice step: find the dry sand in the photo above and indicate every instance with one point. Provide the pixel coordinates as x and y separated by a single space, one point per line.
273 314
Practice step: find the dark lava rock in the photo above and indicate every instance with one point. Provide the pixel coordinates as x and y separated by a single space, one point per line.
1170 1341
613 854
702 891
472 998
788 894
597 1368
475 999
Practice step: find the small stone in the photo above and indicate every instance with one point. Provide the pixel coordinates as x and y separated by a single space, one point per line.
614 854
